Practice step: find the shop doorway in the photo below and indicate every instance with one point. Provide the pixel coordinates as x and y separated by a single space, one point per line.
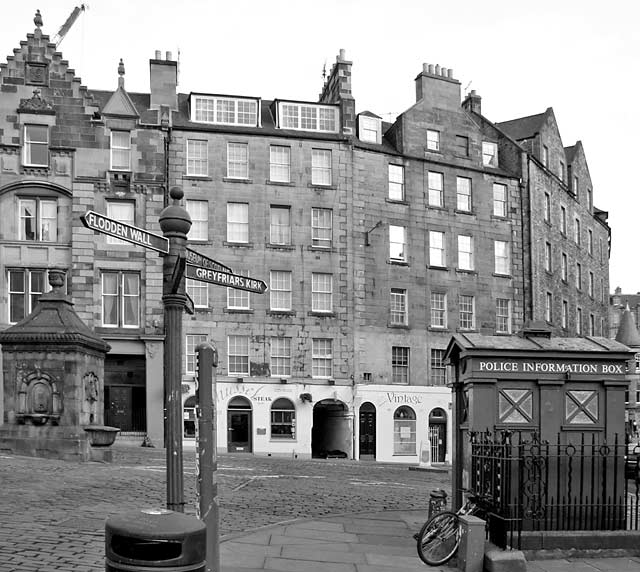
438 435
367 431
190 418
125 394
331 434
239 426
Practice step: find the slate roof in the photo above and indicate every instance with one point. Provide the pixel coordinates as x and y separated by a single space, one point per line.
627 330
524 127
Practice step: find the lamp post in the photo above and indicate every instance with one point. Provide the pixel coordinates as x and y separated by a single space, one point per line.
175 224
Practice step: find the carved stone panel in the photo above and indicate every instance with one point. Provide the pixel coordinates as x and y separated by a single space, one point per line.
36 73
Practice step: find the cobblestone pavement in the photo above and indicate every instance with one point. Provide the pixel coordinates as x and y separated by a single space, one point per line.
52 513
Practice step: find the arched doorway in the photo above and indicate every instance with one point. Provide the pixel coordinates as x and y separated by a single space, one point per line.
330 435
239 425
438 435
367 431
189 417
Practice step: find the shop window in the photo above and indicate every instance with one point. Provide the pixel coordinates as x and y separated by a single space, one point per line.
404 431
283 419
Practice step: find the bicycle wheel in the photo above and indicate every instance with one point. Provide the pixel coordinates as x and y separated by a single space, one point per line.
439 538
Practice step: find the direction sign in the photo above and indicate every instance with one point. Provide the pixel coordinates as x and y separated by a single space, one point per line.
225 279
133 234
196 259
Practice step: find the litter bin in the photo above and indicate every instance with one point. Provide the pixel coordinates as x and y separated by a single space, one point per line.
437 501
155 539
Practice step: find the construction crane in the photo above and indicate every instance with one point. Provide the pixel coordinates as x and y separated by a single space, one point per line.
62 32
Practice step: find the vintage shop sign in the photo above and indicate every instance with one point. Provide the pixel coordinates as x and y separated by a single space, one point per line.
582 368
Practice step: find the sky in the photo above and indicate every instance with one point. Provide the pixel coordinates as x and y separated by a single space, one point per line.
580 57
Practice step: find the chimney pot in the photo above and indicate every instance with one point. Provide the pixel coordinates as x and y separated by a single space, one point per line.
342 55
425 68
450 73
169 56
158 55
443 72
431 69
437 69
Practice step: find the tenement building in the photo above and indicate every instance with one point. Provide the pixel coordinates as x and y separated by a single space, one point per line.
377 241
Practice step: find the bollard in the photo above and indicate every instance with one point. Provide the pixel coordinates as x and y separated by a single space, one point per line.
437 501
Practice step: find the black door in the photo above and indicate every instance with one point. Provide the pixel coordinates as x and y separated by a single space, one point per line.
239 431
367 431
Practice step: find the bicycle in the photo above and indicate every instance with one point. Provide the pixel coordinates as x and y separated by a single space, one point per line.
439 537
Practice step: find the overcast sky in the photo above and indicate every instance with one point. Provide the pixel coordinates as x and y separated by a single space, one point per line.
581 57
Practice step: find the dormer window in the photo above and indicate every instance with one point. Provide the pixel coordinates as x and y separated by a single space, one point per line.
307 117
225 110
120 151
369 129
36 146
489 154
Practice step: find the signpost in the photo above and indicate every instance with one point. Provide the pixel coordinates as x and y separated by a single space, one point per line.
196 259
225 279
132 234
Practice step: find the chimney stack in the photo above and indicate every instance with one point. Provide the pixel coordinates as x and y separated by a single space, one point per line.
473 102
164 82
437 85
337 89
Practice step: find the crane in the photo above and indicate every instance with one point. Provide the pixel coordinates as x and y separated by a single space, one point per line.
62 32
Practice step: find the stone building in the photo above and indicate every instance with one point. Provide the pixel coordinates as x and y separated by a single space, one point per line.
618 304
377 240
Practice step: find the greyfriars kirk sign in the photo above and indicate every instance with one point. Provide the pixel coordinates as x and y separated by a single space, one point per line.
549 366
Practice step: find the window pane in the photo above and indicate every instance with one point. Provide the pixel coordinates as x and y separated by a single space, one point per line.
27 219
321 292
199 213
280 356
238 160
463 194
435 183
48 221
280 163
398 307
237 222
122 211
197 158
321 223
397 242
436 249
438 310
321 167
396 182
321 361
280 225
280 290
238 355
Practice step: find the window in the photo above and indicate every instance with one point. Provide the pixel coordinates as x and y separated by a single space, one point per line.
564 267
238 355
283 419
548 305
462 146
280 225
398 307
199 293
463 194
399 364
122 211
397 243
225 110
547 208
237 222
590 242
503 257
578 276
36 146
545 155
576 232
120 150
404 431
38 219
120 300
192 342
199 213
433 140
592 325
563 220
565 314
465 252
25 288
437 255
579 321
321 292
321 167
435 182
238 299
503 316
321 227
575 186
280 357
369 129
197 158
590 199
547 256
591 281
237 160
321 357
280 164
466 305
438 369
562 172
280 290
499 200
307 117
603 292
489 154
396 182
438 310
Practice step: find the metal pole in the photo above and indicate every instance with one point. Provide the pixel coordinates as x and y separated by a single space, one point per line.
175 224
207 460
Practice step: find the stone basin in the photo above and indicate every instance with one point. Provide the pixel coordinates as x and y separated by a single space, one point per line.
101 435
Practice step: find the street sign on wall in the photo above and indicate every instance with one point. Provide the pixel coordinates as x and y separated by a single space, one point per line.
225 279
132 234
